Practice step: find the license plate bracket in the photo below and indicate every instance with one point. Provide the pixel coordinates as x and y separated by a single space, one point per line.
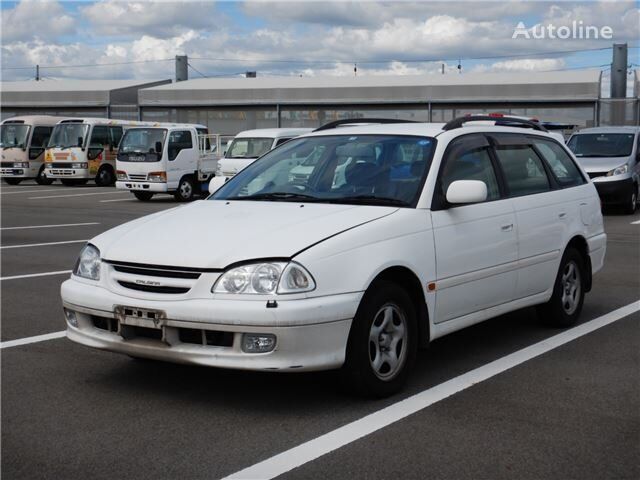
141 317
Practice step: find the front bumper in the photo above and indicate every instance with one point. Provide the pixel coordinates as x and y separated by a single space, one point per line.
311 333
68 173
136 186
19 172
614 192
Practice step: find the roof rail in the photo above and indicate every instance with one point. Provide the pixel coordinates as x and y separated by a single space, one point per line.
349 121
504 121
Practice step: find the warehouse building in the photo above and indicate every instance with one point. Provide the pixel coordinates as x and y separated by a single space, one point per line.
229 105
86 98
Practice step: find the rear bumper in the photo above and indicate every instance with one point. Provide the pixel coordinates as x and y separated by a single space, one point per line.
614 192
134 186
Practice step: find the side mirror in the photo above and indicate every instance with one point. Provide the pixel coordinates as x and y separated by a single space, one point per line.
80 141
466 191
216 183
158 147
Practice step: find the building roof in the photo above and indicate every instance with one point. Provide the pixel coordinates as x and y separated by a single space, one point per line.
73 93
468 87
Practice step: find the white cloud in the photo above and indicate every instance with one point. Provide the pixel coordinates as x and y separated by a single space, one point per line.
523 65
42 19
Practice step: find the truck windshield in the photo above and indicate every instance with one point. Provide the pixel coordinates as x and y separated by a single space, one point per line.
13 135
142 140
68 135
386 170
602 144
249 147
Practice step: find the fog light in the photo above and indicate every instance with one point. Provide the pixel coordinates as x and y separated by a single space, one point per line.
258 343
70 315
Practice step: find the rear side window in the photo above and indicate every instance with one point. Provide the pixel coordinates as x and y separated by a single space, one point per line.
523 170
115 135
40 137
471 165
562 166
179 140
100 135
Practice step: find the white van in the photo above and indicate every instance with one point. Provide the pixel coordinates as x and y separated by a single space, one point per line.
166 158
427 230
247 146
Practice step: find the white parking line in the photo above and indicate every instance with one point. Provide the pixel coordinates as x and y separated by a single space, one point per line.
76 195
36 339
35 191
50 226
637 222
117 200
298 456
42 244
32 275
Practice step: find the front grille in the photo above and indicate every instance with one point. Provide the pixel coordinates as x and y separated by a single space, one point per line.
155 272
129 332
6 164
108 324
139 178
596 174
59 165
211 338
153 288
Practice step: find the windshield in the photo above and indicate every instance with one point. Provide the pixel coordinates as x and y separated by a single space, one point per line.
363 169
602 144
142 140
68 135
249 147
13 135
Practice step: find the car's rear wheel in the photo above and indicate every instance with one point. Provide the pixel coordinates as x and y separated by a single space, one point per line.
12 181
42 179
382 343
565 305
105 177
143 196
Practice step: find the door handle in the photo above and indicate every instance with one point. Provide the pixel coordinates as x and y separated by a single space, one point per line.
562 214
507 228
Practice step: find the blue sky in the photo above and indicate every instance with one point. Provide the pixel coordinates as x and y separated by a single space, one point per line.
139 39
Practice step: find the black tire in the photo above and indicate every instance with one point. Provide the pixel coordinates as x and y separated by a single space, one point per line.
564 307
12 181
358 372
632 201
143 196
105 176
42 179
72 182
186 190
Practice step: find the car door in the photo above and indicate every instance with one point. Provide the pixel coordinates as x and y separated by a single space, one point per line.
180 156
476 247
543 209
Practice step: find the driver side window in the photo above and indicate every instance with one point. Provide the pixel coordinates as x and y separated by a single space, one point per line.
179 140
471 165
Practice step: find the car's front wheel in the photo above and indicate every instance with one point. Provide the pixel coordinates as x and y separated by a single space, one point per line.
12 181
632 201
186 190
42 179
565 305
382 342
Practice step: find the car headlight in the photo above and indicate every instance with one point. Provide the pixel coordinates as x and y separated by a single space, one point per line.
265 279
157 176
79 165
88 264
21 165
618 171
121 175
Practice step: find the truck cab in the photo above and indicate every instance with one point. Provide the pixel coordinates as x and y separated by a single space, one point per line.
165 158
22 146
247 146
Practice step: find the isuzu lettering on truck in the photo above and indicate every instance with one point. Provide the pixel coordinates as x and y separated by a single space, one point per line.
23 141
166 158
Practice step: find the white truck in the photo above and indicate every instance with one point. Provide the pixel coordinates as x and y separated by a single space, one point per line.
247 146
166 158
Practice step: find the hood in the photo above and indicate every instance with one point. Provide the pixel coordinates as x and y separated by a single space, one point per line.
601 164
217 233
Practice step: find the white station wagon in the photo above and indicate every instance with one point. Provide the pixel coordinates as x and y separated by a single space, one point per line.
401 233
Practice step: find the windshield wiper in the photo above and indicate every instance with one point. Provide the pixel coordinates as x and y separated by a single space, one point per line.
275 196
370 199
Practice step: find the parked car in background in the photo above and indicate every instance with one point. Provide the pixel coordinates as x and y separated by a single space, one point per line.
247 146
23 141
166 158
611 157
427 230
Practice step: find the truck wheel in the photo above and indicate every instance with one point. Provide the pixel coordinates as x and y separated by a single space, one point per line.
565 305
382 343
105 177
186 190
632 201
42 179
143 196
12 181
